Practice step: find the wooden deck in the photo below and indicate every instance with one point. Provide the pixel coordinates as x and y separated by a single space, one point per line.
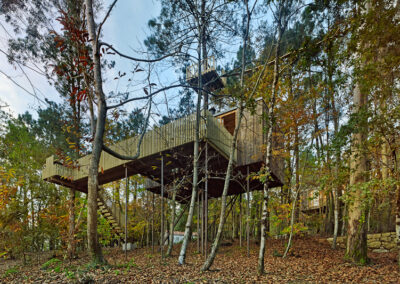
177 136
175 143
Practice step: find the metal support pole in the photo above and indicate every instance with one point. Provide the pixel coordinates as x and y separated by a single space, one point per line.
152 224
240 220
202 222
206 206
162 207
198 221
248 213
126 212
147 220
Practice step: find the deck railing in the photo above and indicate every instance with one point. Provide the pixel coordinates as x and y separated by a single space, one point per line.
166 137
207 65
218 135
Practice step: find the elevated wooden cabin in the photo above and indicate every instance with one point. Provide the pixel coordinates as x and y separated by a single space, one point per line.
211 80
251 137
167 152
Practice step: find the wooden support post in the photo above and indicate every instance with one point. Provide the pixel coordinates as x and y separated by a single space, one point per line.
126 212
162 207
248 213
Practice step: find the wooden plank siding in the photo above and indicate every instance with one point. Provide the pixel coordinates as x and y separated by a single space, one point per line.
251 139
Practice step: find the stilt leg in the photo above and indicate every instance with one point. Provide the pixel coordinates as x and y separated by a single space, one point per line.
248 212
162 207
126 212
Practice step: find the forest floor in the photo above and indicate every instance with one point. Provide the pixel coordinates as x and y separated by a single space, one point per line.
311 261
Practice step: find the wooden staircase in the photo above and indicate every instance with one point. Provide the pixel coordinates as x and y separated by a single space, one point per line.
117 223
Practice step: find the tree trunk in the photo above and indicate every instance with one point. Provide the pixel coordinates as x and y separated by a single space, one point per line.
356 233
292 217
267 171
386 210
336 185
187 235
398 222
97 144
210 259
296 211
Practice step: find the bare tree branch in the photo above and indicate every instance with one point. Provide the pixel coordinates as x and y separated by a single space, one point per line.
17 84
162 90
124 157
104 20
140 59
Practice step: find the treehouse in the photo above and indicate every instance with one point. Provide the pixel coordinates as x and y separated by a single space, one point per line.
165 155
210 78
168 151
313 202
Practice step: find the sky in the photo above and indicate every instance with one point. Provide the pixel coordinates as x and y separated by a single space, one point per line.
125 29
127 21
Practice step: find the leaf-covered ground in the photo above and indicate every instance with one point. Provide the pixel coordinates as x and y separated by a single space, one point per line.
310 261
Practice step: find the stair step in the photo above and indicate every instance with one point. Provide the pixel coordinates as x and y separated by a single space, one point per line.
108 215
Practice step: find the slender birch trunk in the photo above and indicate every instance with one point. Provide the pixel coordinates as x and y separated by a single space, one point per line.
292 217
187 235
210 259
270 125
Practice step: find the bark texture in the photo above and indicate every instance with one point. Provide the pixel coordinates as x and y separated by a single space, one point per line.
187 236
356 249
210 259
93 244
270 125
